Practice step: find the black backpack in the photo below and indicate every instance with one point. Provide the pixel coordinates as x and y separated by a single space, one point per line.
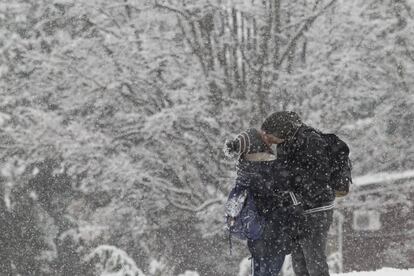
340 164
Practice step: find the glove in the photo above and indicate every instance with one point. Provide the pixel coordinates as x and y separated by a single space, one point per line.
230 149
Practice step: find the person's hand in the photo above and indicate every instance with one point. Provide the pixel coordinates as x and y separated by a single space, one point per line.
230 148
231 221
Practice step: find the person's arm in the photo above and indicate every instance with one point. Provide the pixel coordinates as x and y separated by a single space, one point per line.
238 194
242 180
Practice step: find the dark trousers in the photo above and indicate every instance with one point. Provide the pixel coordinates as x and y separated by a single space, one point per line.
269 252
264 263
267 266
308 254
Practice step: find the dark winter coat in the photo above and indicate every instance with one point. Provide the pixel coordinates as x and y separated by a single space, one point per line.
308 162
268 182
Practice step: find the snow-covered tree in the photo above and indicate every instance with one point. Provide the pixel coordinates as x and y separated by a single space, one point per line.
113 113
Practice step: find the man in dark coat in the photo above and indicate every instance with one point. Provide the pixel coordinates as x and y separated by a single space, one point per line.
308 162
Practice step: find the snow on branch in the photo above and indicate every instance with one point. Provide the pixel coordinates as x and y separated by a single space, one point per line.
208 203
383 177
171 9
164 185
195 209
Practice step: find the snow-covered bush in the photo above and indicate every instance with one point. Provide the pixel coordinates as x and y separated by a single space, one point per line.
107 260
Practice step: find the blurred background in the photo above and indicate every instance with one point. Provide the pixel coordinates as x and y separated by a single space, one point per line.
113 115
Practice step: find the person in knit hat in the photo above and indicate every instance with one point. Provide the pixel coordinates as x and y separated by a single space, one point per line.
307 156
282 125
249 143
272 220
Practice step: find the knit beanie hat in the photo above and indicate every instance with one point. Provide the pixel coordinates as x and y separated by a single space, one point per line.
247 142
282 124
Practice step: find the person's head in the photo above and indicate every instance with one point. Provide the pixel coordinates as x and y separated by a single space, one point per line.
280 126
246 143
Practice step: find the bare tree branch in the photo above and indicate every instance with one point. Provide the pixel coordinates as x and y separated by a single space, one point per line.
171 9
208 203
304 28
195 209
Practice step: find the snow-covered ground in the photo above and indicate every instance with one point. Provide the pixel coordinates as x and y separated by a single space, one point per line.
381 272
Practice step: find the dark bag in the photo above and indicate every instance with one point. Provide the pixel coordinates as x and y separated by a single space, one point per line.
340 164
243 220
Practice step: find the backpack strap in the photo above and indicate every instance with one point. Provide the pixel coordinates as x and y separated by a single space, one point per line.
329 206
294 199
